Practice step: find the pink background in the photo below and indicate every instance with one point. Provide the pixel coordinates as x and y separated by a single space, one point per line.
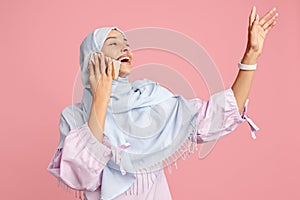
40 59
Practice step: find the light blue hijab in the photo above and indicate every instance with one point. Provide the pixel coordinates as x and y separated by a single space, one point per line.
155 125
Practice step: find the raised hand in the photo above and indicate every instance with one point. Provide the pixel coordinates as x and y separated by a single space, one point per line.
101 79
257 32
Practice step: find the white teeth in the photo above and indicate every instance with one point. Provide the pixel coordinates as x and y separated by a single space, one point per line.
126 57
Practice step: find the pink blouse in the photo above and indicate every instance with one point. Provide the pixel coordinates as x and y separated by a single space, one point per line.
79 164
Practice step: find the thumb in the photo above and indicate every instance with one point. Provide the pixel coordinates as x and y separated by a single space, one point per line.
255 22
257 17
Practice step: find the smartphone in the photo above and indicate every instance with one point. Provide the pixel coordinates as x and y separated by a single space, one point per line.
116 68
116 64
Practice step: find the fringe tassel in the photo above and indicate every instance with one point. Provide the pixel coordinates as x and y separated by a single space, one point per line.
78 193
170 169
137 184
144 180
176 165
148 176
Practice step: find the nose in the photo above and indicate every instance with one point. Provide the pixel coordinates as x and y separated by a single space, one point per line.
125 49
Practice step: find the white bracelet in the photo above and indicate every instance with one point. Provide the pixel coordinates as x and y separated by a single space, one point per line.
246 67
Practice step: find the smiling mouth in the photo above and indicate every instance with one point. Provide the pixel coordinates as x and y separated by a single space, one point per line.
125 60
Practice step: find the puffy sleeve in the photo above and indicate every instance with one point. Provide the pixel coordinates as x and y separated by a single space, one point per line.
219 116
80 161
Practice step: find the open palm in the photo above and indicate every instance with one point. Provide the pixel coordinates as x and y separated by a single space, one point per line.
258 29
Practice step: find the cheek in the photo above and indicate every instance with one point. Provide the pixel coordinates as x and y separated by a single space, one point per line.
111 52
132 57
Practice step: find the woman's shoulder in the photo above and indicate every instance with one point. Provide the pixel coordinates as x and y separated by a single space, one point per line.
142 82
72 110
73 115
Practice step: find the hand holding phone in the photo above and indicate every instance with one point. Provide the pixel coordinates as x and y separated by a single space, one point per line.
115 64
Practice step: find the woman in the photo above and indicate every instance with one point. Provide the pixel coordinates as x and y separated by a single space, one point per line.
105 156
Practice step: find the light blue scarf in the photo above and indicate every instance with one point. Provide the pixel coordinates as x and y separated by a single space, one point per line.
153 124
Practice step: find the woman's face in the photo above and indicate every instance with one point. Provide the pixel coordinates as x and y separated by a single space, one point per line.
117 47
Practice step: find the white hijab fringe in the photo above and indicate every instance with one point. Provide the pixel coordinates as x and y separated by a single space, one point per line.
189 147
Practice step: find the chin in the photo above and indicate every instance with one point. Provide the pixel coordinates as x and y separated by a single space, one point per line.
125 71
124 74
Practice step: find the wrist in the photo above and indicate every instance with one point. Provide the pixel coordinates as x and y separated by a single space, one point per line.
250 57
98 114
100 102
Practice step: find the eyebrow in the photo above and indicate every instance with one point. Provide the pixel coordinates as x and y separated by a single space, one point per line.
112 37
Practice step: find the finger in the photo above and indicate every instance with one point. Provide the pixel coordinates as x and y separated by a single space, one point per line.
113 69
109 69
96 60
106 63
253 26
252 16
102 64
92 58
271 26
266 16
91 69
270 21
